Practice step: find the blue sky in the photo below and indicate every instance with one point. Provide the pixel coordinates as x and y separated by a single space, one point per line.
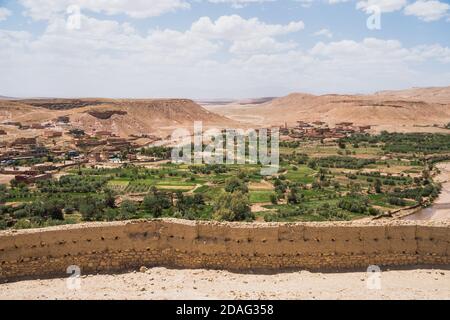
220 48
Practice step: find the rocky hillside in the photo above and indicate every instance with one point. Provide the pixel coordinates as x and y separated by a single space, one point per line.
123 117
410 110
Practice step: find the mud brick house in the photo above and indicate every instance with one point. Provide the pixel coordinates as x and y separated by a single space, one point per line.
117 144
29 179
63 119
303 125
103 134
24 142
37 126
89 142
43 167
52 134
344 124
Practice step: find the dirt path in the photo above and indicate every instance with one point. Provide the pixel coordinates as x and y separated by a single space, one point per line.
161 283
192 191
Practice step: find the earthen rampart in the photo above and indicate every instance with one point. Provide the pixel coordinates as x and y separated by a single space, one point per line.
120 246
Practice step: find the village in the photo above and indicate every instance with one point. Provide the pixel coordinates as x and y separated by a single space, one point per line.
321 130
45 149
62 145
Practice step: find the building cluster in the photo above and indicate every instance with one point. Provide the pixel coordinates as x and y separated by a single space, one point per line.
21 149
35 173
321 130
59 141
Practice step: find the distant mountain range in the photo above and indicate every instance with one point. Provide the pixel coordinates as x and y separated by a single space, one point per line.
6 98
218 102
417 109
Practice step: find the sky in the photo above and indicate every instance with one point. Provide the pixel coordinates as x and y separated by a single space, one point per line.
211 49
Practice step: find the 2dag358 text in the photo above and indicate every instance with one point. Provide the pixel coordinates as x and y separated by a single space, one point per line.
247 309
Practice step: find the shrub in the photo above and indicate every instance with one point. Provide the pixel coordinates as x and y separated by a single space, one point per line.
235 184
128 210
155 203
69 209
53 208
355 205
274 198
233 207
374 211
397 202
91 209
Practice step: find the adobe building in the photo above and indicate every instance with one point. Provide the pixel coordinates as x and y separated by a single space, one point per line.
49 134
63 119
37 126
43 167
103 134
30 179
24 142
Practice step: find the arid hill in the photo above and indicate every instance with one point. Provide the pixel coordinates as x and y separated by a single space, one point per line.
409 110
437 95
421 109
122 117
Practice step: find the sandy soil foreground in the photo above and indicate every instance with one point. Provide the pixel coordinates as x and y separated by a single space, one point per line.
162 283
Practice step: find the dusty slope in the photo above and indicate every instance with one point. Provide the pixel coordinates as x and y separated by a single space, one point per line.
123 117
438 94
161 283
401 111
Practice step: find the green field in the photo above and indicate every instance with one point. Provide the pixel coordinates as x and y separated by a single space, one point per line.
355 178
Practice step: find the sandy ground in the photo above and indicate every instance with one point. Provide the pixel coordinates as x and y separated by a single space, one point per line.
5 178
161 283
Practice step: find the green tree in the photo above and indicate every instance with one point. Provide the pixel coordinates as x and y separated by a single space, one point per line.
128 210
3 193
233 207
110 199
294 197
235 184
155 203
274 198
378 186
90 209
53 208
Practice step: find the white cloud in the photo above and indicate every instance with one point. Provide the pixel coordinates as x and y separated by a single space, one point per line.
237 28
427 10
4 13
337 1
261 45
383 5
343 66
47 9
247 36
239 3
305 3
430 52
229 56
324 32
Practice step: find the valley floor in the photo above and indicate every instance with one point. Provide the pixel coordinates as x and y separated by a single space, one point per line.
162 283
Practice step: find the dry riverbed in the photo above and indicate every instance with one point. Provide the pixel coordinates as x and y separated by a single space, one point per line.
162 283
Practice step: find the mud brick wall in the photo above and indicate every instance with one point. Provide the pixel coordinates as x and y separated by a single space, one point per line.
120 246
